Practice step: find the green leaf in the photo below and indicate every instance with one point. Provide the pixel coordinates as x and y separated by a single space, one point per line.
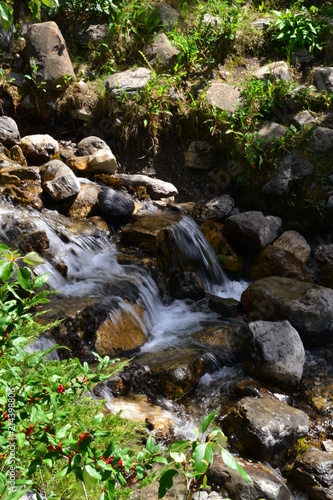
63 472
35 464
150 444
208 420
166 481
6 17
160 460
202 457
20 438
232 463
178 457
23 277
2 245
6 271
93 472
40 280
48 3
61 433
3 481
33 259
97 419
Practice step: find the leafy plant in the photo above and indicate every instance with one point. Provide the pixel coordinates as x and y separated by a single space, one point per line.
35 6
193 458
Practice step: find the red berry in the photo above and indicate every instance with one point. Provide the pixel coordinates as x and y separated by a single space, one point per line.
120 463
60 389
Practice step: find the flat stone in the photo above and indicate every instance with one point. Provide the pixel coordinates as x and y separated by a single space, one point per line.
278 69
130 81
101 161
156 188
324 79
86 202
270 131
223 96
303 119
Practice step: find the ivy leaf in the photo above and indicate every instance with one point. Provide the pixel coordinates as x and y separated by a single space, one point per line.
202 457
166 481
208 420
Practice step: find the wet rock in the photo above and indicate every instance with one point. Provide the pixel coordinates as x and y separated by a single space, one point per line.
313 474
324 79
324 253
130 81
321 141
86 202
58 181
265 483
116 206
274 261
90 145
303 119
47 47
102 161
295 243
278 69
156 188
266 428
168 15
186 286
224 340
17 155
161 53
9 132
21 195
218 208
36 241
13 175
39 148
223 96
199 156
252 230
228 308
292 168
308 307
274 352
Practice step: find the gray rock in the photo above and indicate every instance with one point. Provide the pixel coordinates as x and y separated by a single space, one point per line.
278 69
218 208
252 229
295 243
199 156
168 15
6 36
303 119
223 96
130 81
303 56
214 21
186 285
313 473
261 24
46 46
292 168
268 132
227 307
324 79
59 181
90 145
321 141
307 307
116 206
267 428
161 53
39 147
92 32
9 132
275 352
101 161
324 253
156 188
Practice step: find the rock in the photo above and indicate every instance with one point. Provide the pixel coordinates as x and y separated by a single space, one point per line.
268 132
36 241
161 53
17 155
15 174
223 340
274 261
326 274
116 206
265 483
308 307
324 253
39 148
156 188
313 473
252 230
302 56
292 168
130 81
228 308
303 119
199 156
186 285
93 31
168 15
266 428
7 36
19 195
278 69
296 244
90 145
321 141
218 208
102 161
122 333
58 180
223 96
261 24
9 132
274 352
86 202
324 79
47 47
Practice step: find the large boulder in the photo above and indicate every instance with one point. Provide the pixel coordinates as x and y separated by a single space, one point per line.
116 206
9 132
292 168
46 46
161 53
129 82
321 141
324 79
58 181
313 473
167 15
39 148
266 428
308 307
295 243
252 230
156 188
89 145
223 96
274 352
218 208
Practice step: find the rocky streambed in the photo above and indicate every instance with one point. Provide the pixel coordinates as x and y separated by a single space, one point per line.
220 308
